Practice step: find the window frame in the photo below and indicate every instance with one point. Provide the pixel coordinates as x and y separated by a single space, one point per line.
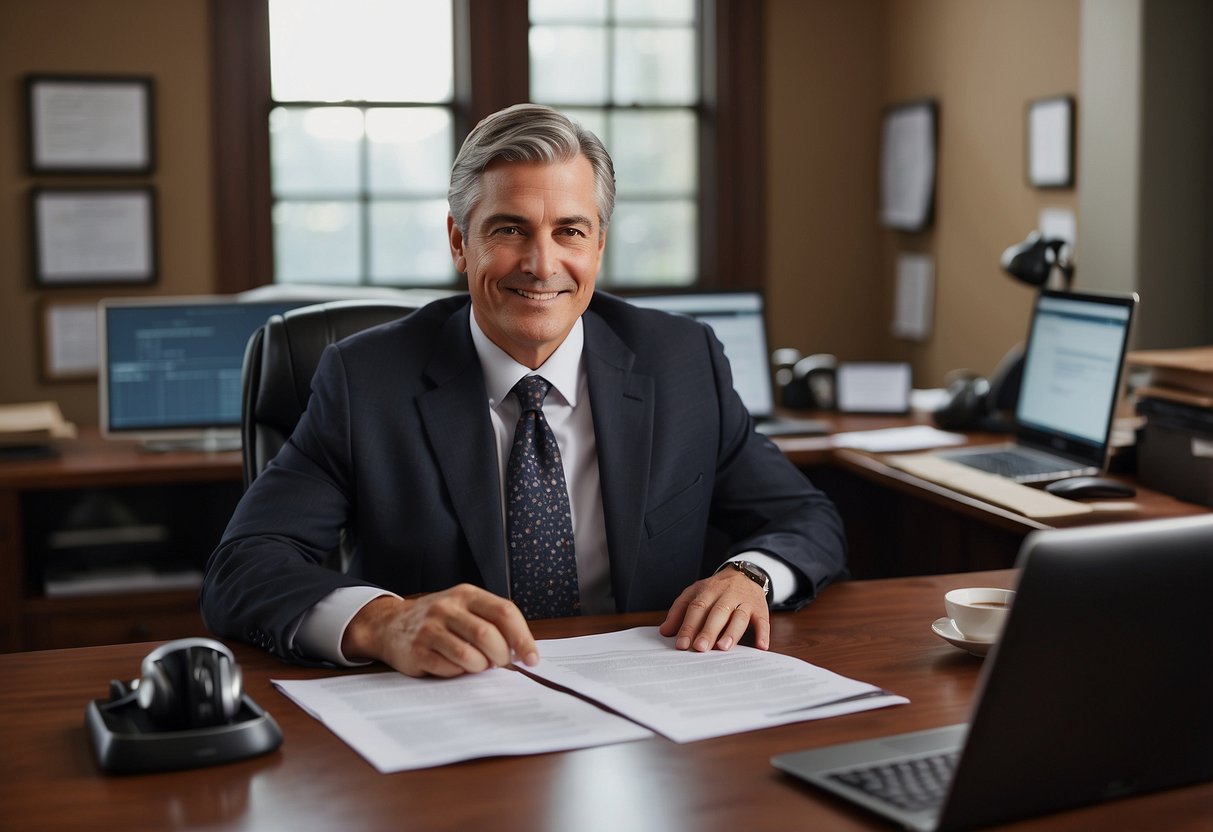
491 72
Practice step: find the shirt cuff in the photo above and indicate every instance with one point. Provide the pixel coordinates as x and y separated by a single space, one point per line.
323 626
784 582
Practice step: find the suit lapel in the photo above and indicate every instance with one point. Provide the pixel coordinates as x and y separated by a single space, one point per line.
622 403
454 414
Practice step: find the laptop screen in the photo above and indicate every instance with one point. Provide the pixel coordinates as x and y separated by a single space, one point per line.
1072 369
737 320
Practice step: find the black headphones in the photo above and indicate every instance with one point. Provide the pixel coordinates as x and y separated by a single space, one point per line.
188 683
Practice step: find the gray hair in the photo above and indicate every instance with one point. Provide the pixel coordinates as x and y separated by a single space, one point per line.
527 133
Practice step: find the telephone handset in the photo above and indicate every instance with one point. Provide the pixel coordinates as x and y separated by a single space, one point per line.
975 403
807 383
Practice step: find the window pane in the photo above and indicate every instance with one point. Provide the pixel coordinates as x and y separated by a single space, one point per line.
568 11
315 151
654 152
648 11
568 64
410 150
361 50
652 243
594 120
409 242
317 242
654 66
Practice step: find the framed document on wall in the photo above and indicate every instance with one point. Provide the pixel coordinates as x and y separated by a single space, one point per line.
69 339
89 124
907 165
93 236
1051 142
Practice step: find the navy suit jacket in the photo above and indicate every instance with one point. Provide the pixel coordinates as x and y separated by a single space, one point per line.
395 451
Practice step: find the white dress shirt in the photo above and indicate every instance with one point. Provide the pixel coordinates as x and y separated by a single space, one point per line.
567 411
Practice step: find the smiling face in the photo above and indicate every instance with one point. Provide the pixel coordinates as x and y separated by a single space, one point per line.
531 253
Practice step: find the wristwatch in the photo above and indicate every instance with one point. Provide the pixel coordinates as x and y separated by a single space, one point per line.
754 572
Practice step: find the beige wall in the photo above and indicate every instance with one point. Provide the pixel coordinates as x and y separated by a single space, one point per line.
831 68
166 40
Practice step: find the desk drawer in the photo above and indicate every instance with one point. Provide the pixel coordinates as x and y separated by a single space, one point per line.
56 624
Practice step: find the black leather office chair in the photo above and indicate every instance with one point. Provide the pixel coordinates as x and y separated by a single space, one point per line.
279 362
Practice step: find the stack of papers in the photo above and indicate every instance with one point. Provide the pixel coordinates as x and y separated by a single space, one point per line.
33 423
398 723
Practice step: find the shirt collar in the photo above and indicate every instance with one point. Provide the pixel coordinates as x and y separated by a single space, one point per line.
501 372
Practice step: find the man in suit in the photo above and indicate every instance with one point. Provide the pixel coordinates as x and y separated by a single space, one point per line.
404 449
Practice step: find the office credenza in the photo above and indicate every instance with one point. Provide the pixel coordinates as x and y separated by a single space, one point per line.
110 504
97 542
876 631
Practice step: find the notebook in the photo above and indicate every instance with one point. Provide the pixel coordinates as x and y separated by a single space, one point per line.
738 321
1099 688
1072 367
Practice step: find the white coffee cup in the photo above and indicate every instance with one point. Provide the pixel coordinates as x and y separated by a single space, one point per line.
979 613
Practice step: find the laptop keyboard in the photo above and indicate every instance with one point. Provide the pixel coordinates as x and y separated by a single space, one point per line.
912 785
1014 465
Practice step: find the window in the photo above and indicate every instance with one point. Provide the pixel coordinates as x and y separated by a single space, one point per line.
360 142
628 70
332 167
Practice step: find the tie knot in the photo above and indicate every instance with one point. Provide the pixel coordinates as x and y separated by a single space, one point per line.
531 391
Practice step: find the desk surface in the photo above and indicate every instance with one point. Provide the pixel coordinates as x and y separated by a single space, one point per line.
877 631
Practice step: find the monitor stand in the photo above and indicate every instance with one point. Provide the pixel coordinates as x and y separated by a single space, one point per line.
211 441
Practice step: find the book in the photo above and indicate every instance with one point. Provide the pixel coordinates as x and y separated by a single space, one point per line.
1187 370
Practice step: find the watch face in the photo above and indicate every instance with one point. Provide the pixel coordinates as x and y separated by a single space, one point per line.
755 574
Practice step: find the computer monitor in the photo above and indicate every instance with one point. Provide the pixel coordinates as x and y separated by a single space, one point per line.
170 368
737 320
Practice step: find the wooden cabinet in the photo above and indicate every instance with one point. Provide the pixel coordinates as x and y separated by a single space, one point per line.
104 542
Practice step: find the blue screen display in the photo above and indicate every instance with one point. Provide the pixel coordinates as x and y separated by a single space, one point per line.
179 365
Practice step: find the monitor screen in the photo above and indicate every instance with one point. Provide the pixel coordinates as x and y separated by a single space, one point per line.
1072 366
737 320
170 368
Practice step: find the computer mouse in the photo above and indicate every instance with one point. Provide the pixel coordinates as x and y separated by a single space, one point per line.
1080 488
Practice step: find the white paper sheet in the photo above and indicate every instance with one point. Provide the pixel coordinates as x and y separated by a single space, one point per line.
399 723
908 438
689 696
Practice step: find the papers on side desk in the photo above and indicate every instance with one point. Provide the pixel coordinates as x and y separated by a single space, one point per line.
397 723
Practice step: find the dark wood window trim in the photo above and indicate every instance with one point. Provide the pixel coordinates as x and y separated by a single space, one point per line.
492 37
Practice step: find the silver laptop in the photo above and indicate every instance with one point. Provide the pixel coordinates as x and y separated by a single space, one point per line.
737 319
1100 687
1072 368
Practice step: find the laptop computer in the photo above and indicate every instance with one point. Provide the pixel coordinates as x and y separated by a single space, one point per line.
738 320
1072 368
1100 687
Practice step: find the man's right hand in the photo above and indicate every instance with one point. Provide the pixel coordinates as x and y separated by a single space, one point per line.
464 629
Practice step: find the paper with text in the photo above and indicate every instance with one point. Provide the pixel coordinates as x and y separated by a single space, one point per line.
399 723
689 696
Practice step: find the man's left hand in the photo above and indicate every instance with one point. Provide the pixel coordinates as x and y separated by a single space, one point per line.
717 611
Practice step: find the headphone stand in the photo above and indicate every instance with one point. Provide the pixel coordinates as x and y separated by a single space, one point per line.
126 742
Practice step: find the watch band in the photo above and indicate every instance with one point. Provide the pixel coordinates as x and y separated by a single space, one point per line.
752 571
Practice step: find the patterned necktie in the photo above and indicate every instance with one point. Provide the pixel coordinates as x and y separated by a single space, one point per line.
539 528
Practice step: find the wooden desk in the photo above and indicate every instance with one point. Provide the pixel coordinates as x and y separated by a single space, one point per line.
877 631
899 524
189 495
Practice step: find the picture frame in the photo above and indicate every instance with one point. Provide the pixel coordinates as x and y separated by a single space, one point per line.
93 236
908 161
1050 142
68 346
89 124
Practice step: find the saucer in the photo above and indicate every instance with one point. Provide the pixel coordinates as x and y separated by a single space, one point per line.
946 630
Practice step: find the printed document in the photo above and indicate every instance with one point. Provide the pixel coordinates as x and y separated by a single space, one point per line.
689 696
399 723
